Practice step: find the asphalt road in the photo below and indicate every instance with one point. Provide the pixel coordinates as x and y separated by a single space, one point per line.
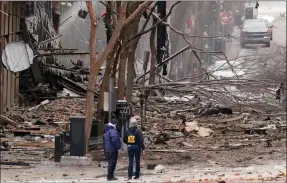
253 53
279 32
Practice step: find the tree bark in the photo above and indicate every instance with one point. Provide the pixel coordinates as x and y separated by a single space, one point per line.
153 57
93 73
56 15
105 85
130 75
131 60
121 23
114 16
131 29
116 63
122 75
127 85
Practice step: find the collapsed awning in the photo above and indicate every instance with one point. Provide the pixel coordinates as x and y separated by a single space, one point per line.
17 56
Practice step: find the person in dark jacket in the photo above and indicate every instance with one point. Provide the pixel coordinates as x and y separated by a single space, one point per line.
112 145
134 139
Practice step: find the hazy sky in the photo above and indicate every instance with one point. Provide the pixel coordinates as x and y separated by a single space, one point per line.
272 6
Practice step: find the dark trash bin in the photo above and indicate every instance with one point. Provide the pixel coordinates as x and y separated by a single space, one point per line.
77 136
219 44
94 130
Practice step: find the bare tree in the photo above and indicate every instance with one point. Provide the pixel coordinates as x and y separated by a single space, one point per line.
93 72
153 56
96 64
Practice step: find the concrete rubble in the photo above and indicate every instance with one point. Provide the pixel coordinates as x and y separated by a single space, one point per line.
203 134
181 138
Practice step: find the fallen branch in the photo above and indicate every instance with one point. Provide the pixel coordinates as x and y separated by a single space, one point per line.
17 163
49 40
5 119
169 150
230 119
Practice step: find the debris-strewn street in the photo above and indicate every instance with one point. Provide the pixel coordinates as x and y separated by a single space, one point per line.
210 125
214 140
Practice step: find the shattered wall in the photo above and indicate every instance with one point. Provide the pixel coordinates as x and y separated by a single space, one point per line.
39 22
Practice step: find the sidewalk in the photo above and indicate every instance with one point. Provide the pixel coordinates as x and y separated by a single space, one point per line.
272 172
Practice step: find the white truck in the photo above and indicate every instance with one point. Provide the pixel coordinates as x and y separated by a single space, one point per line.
252 4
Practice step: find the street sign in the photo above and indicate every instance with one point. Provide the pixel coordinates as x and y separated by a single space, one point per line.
226 17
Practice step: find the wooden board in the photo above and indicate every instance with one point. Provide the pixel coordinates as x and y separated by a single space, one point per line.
40 132
1 48
5 73
34 144
17 39
9 80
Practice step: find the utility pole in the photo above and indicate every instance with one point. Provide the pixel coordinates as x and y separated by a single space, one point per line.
111 92
161 35
201 27
223 29
143 95
191 57
218 20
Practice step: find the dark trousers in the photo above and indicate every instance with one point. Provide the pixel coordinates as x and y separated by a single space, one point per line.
112 161
134 153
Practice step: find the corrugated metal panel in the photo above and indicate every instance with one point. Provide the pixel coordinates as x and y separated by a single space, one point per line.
2 23
9 82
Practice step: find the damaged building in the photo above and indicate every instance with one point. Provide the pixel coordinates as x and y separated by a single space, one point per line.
35 66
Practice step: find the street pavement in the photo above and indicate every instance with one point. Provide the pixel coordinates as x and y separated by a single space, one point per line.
185 174
279 32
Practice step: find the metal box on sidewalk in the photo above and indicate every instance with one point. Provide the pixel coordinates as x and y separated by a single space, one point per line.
77 136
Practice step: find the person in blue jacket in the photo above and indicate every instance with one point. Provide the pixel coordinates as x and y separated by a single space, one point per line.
112 145
134 139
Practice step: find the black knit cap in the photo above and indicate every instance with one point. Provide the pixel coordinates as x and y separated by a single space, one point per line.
114 121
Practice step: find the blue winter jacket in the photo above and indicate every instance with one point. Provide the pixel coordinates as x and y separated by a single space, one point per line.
112 139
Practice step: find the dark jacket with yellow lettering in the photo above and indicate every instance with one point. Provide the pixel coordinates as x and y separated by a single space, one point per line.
134 138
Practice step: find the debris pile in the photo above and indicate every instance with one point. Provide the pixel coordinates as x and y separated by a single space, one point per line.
175 126
48 112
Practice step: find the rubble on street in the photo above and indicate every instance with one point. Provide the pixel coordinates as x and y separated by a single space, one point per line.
210 107
187 135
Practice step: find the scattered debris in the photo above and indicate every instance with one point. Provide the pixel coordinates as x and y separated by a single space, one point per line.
5 119
151 166
19 163
191 126
204 132
41 104
159 169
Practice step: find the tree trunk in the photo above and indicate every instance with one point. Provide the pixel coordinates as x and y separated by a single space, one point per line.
121 23
130 75
93 73
131 30
125 86
122 75
153 56
116 63
105 87
131 61
56 15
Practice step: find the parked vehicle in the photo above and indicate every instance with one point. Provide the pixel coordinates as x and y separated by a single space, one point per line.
255 31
